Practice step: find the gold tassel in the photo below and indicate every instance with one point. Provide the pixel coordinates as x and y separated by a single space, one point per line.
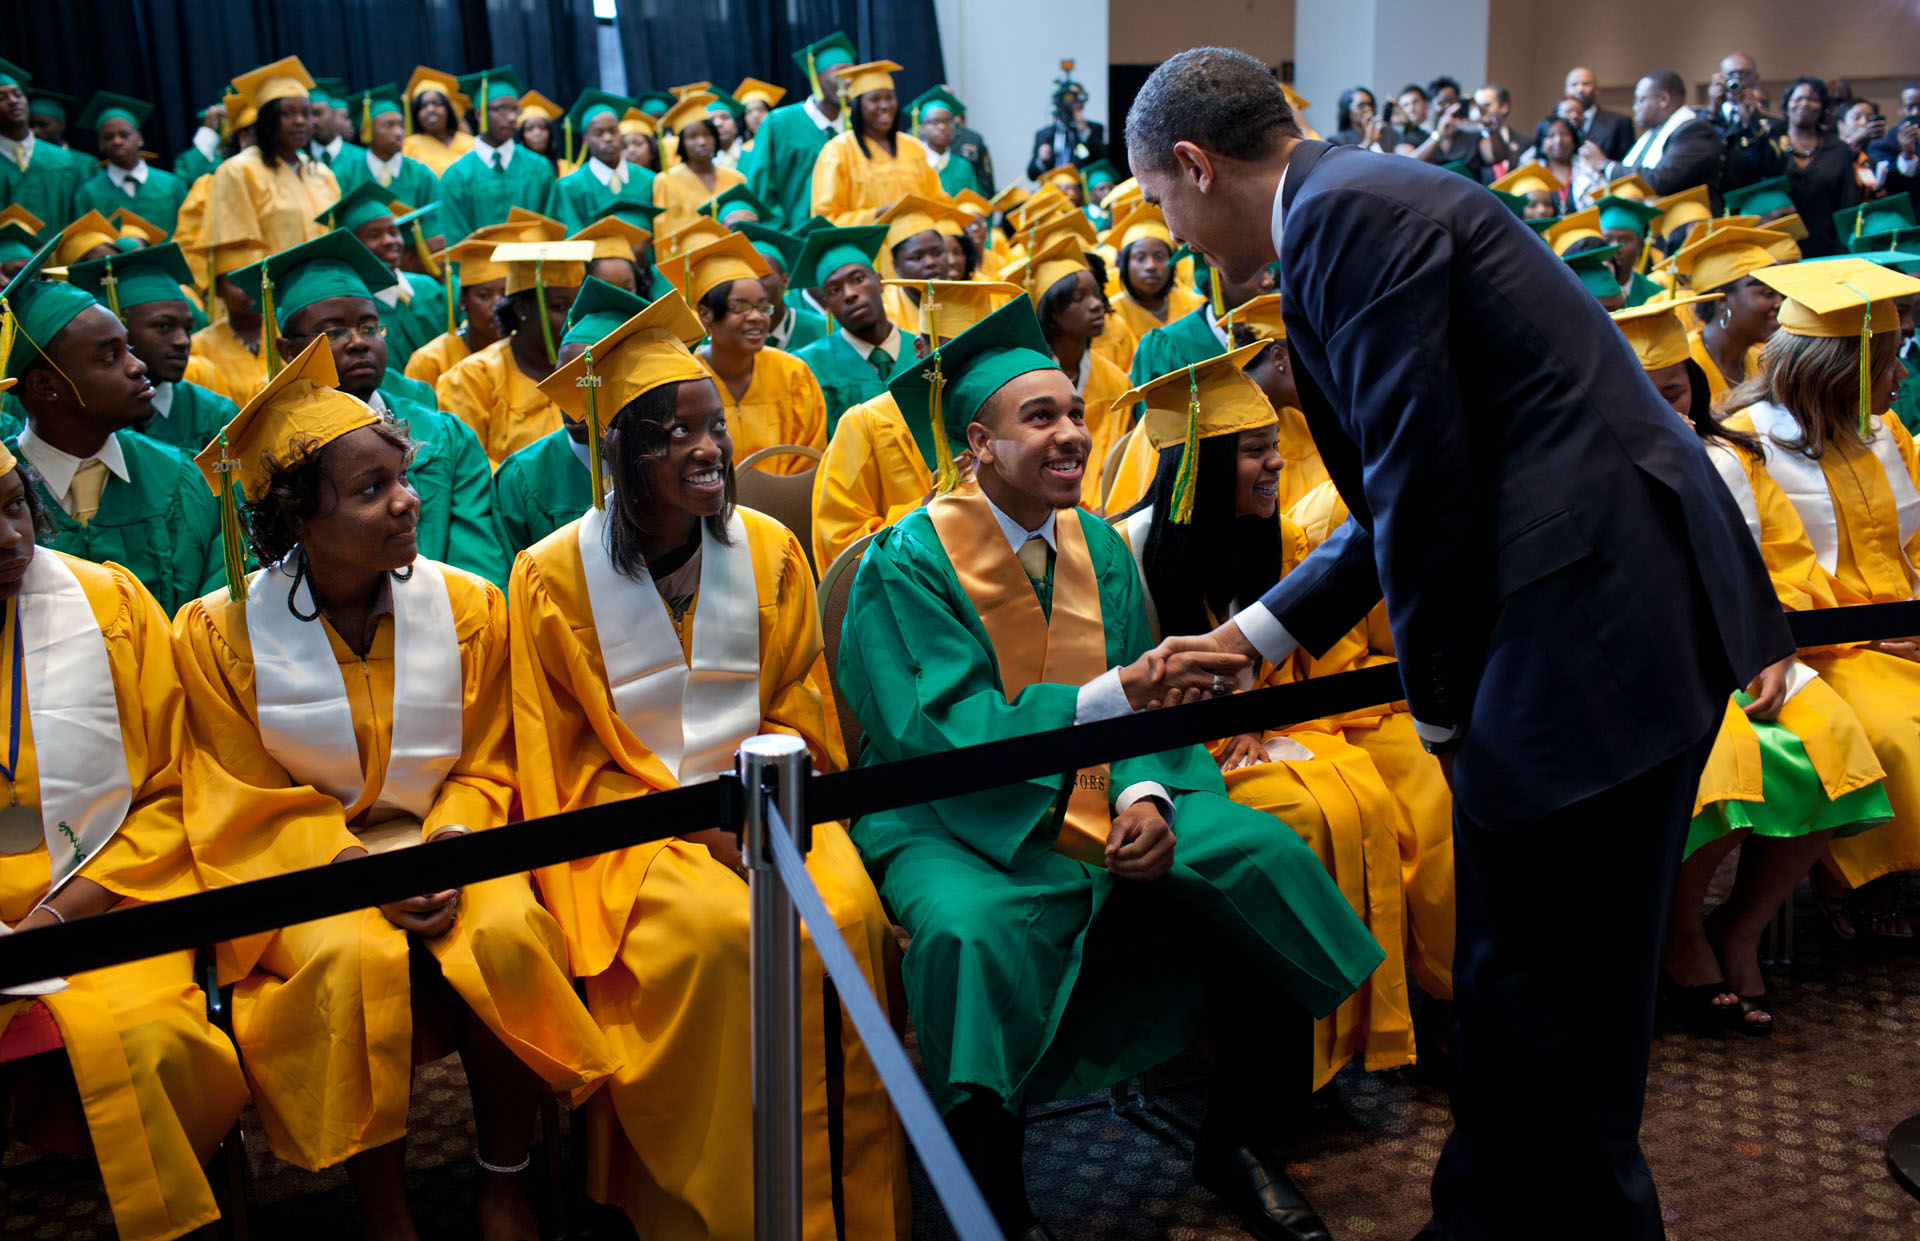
566 133
269 326
945 476
7 324
232 545
813 79
546 320
366 119
112 283
424 250
1219 300
1866 369
1184 480
591 382
453 324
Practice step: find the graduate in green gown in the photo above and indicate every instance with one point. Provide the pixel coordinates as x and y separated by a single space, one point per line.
328 287
333 127
794 328
1624 223
852 362
1074 929
605 175
414 307
38 176
545 485
935 114
1198 335
488 182
383 128
126 180
142 287
110 493
202 155
779 166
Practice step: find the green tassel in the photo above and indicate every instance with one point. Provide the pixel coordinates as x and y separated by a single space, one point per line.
1184 480
591 382
232 539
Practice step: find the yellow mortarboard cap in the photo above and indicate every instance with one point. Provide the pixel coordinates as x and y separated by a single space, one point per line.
429 79
650 349
241 112
914 215
1562 233
1229 401
690 236
1042 202
1657 332
1050 263
474 252
698 272
1072 222
1832 297
90 230
146 231
873 75
1633 186
973 203
1684 207
16 214
556 264
1123 195
1791 224
297 414
1067 173
1299 107
751 89
613 238
1141 222
1010 197
1715 259
692 107
285 78
950 307
1261 315
1527 178
634 121
689 88
533 104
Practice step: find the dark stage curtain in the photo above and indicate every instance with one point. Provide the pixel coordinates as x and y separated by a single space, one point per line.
180 54
667 42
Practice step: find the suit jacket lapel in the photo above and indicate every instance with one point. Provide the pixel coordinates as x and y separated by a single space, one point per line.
1305 156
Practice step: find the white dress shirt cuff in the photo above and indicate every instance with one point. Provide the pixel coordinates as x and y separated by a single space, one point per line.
1101 699
1140 792
1266 633
1435 734
1908 166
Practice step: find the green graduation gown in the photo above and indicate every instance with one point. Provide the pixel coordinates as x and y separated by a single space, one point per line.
779 168
957 176
348 153
846 379
1906 405
45 186
412 324
158 199
192 165
579 197
414 185
163 525
454 480
807 328
1018 982
193 418
539 489
1186 341
397 384
474 194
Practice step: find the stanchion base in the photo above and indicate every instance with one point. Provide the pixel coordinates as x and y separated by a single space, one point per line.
1903 1154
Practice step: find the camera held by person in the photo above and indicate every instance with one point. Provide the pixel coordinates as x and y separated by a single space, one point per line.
1069 138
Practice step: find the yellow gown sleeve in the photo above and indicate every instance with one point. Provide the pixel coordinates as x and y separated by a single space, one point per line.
1106 422
806 406
836 195
478 792
464 392
868 480
1904 439
793 668
913 153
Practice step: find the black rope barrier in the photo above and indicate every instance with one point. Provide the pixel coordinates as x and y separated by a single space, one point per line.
319 892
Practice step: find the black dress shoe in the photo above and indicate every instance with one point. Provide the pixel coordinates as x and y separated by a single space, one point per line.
1257 1187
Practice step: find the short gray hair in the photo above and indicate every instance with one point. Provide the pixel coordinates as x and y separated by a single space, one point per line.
1222 100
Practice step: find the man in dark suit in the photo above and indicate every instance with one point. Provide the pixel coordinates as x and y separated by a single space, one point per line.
1606 129
1898 150
1676 149
1756 144
1572 594
1071 139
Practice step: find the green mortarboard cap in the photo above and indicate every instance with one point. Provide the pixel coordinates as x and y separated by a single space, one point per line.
1901 252
500 82
640 215
597 309
1540 227
810 224
1100 171
335 89
973 365
1595 272
1515 203
722 101
827 250
13 75
732 200
1881 215
147 274
593 102
334 264
1459 166
835 49
779 247
41 308
367 201
418 213
655 102
937 97
48 103
1761 198
105 105
1618 212
376 102
16 243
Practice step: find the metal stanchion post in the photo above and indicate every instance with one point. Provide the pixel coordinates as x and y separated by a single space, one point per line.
774 934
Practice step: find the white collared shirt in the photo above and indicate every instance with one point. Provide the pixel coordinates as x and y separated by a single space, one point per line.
1218 328
892 344
57 468
163 399
838 124
580 453
330 150
1279 194
604 173
1101 698
486 151
391 167
779 334
936 160
20 152
120 176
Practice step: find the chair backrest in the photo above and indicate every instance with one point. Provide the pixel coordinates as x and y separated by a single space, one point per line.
1110 468
836 585
787 498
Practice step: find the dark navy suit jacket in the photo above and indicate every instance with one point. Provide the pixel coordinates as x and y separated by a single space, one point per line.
1566 576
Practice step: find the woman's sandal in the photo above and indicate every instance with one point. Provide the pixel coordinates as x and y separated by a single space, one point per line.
1695 1007
1838 911
1736 1015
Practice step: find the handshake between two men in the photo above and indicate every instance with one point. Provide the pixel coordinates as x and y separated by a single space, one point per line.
1189 668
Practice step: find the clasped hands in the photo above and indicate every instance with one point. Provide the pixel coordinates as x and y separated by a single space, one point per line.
1188 668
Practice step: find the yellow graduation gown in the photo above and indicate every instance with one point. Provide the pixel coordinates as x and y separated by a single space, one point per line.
490 393
782 405
438 156
1872 565
324 1011
435 358
1717 383
1413 776
872 476
659 931
901 310
1329 792
189 229
272 207
1181 301
681 193
159 1085
849 184
221 362
1116 343
1107 420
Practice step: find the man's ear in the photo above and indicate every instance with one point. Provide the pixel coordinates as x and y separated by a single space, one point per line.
980 441
1194 164
42 384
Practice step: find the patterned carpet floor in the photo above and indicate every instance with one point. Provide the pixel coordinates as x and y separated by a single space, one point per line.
1750 1140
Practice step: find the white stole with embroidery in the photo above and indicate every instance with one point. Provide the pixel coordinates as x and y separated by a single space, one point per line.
693 716
85 789
1805 483
300 693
